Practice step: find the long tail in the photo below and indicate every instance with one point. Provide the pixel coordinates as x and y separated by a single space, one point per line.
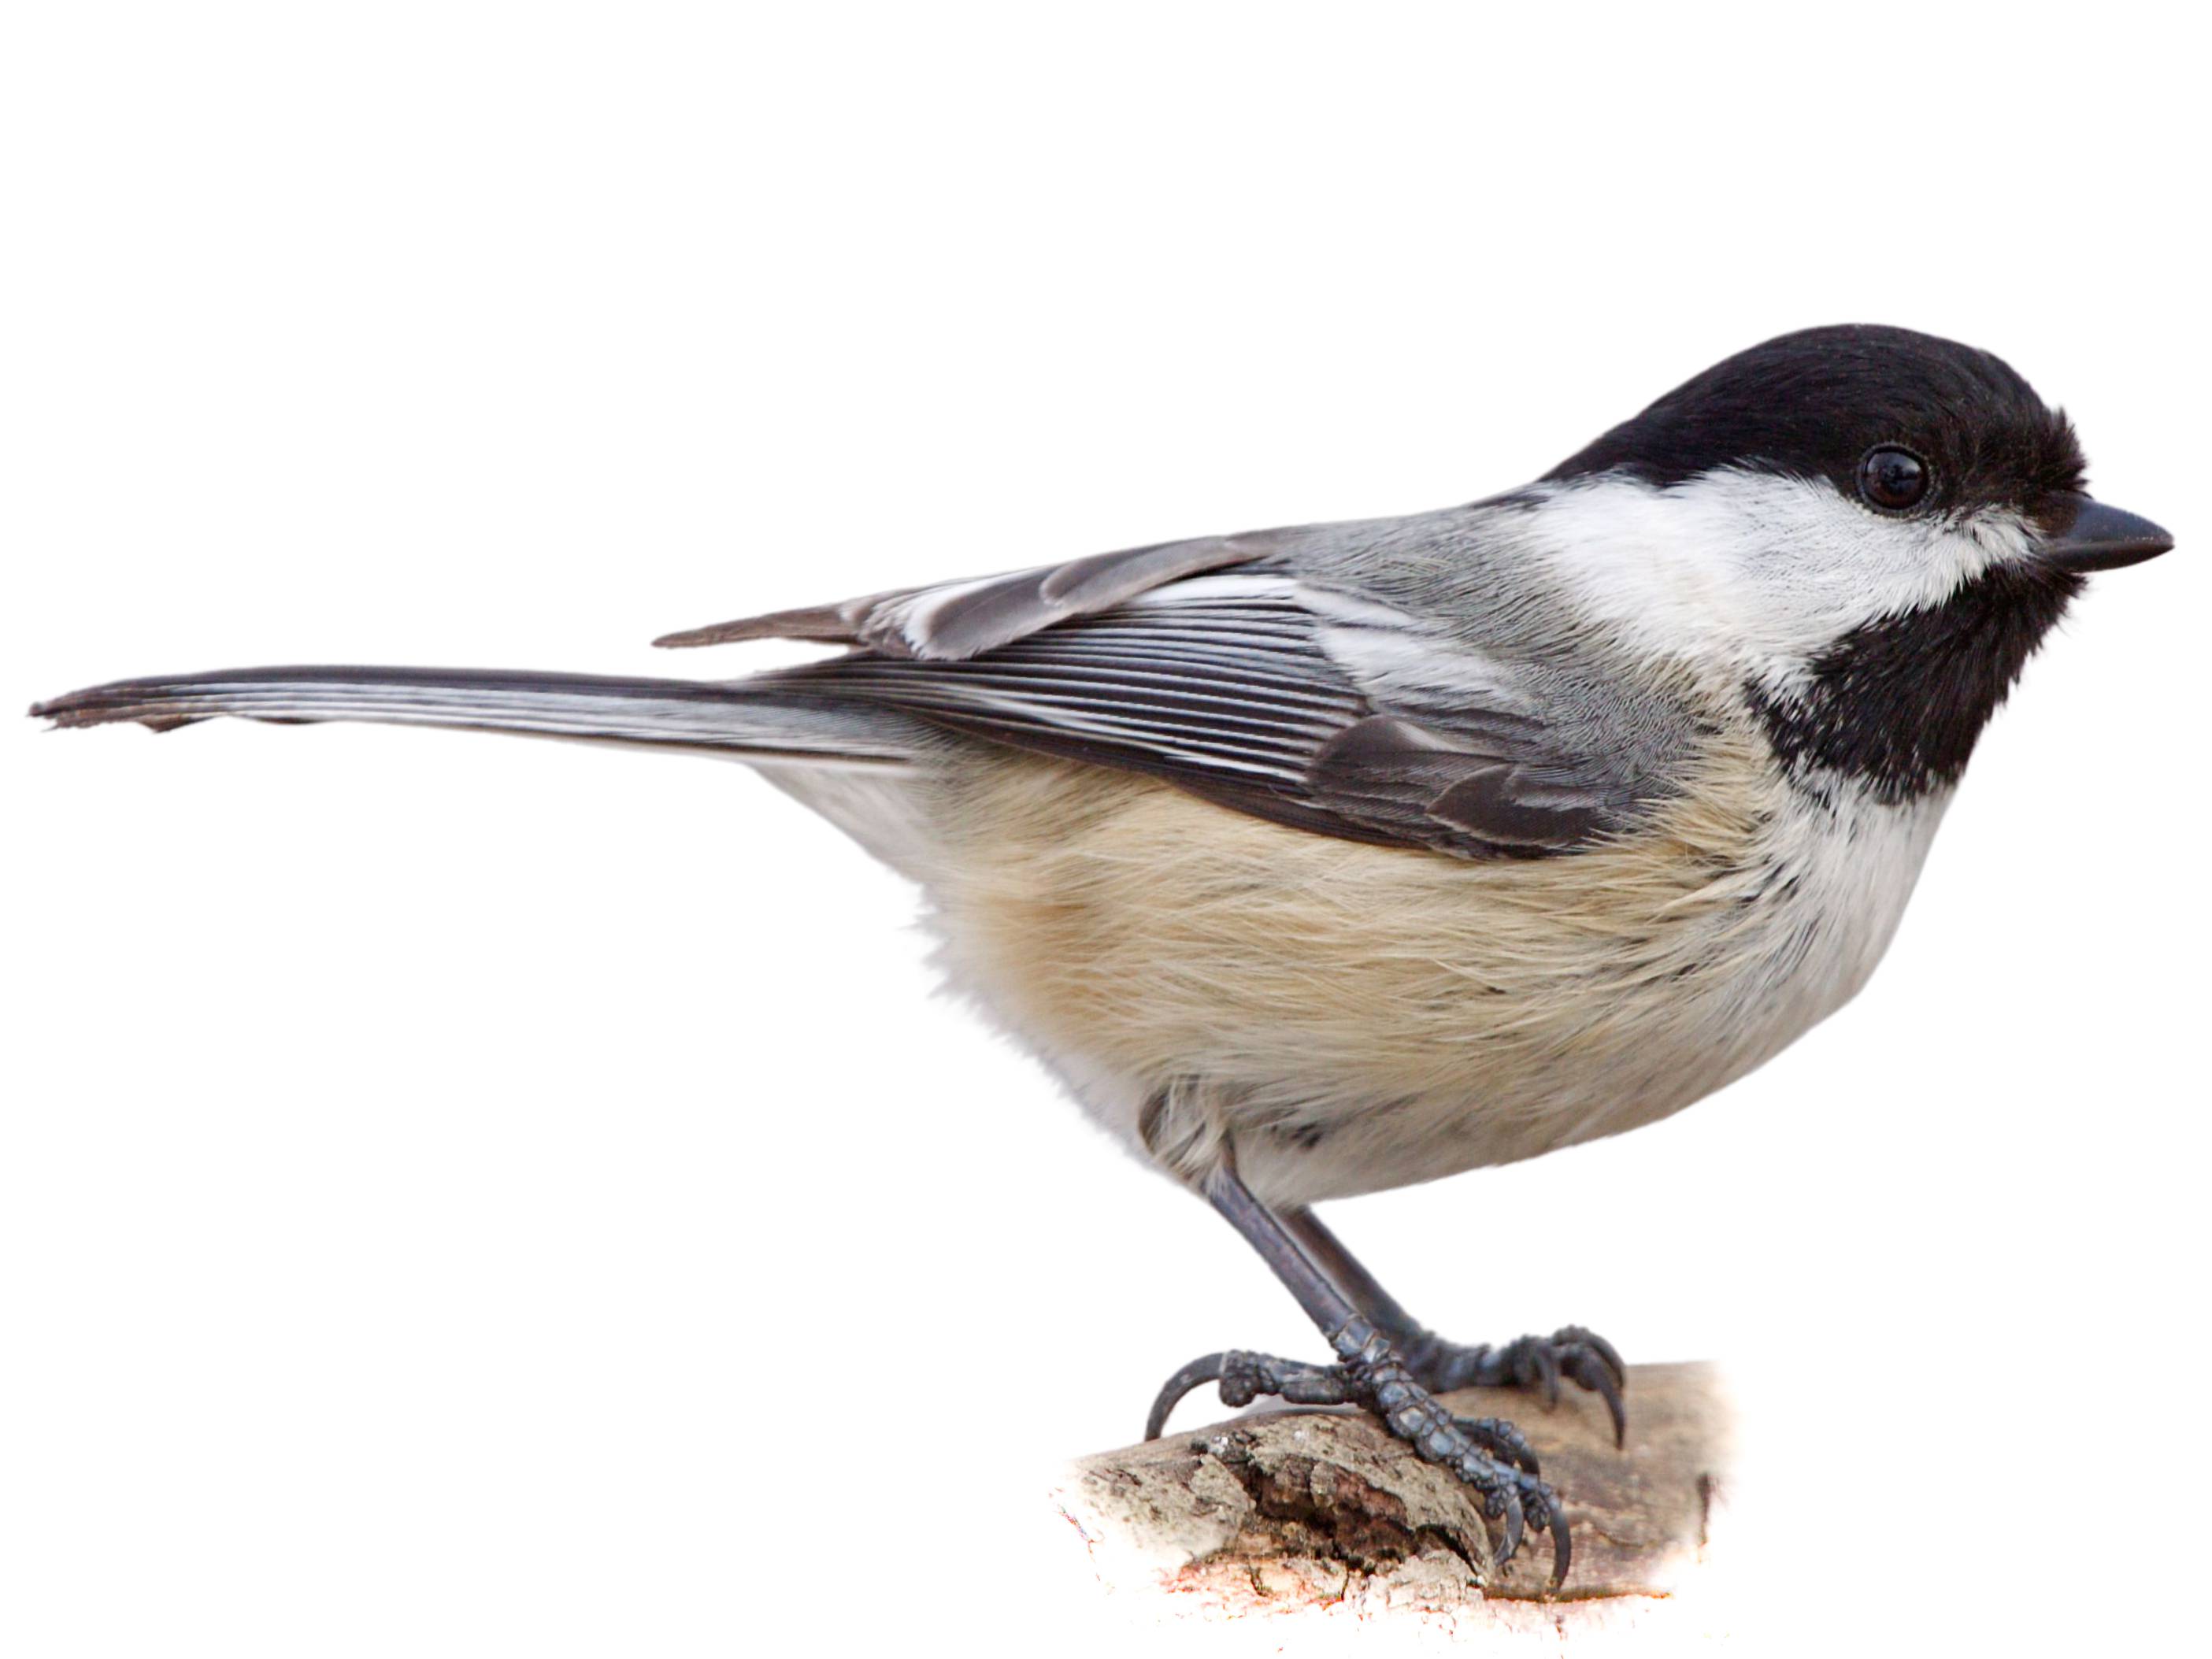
757 720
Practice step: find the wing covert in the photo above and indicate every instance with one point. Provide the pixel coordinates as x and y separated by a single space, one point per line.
1268 671
1240 687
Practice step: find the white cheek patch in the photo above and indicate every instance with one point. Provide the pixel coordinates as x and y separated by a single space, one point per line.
1746 567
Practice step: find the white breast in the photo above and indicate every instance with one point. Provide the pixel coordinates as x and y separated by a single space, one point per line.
1353 1017
1833 886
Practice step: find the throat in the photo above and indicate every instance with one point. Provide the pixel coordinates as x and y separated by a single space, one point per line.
1899 703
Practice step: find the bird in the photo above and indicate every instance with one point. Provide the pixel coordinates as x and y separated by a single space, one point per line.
1321 860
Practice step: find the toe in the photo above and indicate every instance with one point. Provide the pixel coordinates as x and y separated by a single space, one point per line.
1502 1441
1544 1359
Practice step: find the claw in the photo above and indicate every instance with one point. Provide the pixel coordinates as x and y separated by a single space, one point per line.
1562 1550
1545 1515
1604 1349
1207 1368
1599 1379
1516 1526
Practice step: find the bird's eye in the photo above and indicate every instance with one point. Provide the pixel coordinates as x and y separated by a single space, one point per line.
1893 479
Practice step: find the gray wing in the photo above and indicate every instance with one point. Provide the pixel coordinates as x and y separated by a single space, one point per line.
1219 667
954 620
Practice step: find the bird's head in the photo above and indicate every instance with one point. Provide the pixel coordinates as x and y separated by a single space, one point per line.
1870 529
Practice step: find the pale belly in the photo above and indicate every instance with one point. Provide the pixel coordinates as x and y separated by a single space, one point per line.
1350 1018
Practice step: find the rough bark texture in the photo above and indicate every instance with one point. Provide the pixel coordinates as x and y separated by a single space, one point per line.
1284 1510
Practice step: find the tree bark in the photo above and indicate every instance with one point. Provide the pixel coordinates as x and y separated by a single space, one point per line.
1281 1510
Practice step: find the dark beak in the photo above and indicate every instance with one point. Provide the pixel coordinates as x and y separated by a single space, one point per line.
2100 538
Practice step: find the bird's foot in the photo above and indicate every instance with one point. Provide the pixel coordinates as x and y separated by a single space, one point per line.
1583 1357
1487 1453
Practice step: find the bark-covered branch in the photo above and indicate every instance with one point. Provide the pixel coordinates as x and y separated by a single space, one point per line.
1281 1510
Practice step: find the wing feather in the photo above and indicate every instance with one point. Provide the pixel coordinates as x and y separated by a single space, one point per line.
1224 686
951 621
1219 665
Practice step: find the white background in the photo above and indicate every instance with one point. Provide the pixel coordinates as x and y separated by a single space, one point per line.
463 1196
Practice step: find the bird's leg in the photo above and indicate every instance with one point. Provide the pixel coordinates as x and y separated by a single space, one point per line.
1580 1356
1489 1456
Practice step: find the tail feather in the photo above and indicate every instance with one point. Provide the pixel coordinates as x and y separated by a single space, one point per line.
732 715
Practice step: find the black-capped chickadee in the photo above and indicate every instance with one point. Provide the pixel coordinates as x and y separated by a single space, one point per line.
1321 860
